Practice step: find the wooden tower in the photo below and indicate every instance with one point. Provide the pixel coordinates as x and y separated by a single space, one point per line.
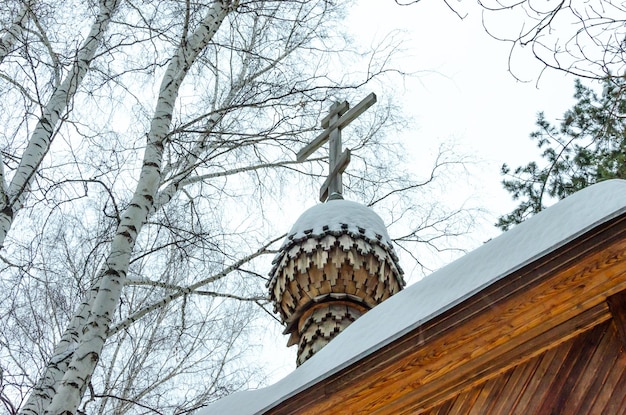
338 261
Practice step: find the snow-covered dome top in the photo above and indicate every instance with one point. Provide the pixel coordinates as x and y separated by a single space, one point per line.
339 217
335 218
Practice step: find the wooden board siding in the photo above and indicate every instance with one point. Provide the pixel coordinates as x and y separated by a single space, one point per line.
582 376
538 340
617 305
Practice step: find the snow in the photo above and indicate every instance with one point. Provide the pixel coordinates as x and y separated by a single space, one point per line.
335 217
330 216
440 291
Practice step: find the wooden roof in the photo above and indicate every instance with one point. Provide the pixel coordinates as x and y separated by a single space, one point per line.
542 339
532 322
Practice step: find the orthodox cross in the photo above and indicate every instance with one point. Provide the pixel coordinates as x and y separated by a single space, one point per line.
339 116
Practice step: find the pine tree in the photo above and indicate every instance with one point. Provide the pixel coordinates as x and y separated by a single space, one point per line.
587 146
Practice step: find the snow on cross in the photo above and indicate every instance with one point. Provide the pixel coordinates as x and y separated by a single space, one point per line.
338 117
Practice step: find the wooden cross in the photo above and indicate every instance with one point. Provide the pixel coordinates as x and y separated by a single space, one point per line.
338 117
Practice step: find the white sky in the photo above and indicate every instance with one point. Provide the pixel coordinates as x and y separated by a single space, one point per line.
462 92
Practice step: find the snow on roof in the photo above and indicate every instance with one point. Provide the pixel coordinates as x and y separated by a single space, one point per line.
440 291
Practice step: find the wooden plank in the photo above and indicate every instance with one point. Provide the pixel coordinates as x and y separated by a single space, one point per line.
337 169
542 373
488 366
571 370
596 367
483 397
343 121
335 146
444 408
338 108
466 401
451 355
496 393
353 113
515 386
595 398
611 381
617 305
615 405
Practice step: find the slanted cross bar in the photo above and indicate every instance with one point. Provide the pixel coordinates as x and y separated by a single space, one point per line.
339 116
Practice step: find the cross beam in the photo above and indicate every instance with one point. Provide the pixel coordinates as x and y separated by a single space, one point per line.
339 116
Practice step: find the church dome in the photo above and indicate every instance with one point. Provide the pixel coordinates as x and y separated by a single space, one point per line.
336 263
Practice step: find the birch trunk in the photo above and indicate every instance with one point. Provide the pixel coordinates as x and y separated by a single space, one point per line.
12 198
44 390
7 42
68 394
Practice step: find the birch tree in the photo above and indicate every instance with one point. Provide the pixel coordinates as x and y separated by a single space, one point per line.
64 88
147 147
583 38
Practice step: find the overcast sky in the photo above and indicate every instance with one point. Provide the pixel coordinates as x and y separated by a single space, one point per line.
463 92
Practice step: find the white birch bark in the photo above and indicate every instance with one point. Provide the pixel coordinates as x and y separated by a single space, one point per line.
41 139
44 390
75 380
189 163
12 34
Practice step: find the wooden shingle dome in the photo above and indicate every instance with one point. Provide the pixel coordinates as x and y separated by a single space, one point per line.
335 265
